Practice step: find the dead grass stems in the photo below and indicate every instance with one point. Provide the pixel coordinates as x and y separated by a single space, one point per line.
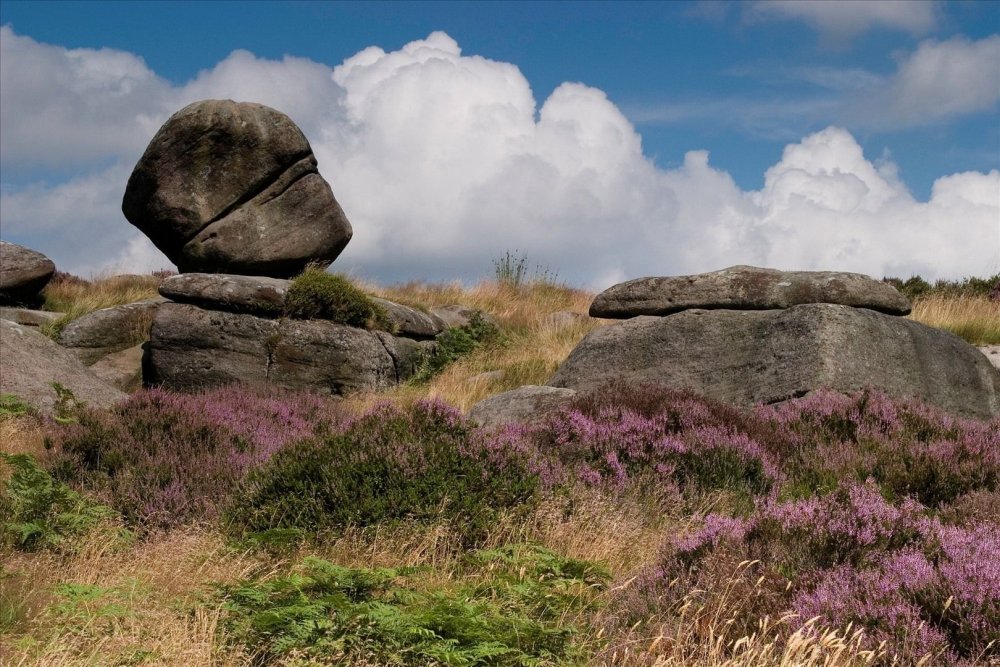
976 319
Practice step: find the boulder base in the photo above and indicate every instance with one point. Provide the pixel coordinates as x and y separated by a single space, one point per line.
767 356
192 348
746 288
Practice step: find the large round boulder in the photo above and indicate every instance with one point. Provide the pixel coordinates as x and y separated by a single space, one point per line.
767 356
746 288
233 187
23 274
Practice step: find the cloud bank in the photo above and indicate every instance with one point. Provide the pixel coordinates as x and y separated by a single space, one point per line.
443 162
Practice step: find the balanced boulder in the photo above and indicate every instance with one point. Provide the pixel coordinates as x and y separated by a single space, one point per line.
767 356
23 274
746 288
233 187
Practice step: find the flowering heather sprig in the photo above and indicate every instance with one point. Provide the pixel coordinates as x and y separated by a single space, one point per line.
616 446
920 600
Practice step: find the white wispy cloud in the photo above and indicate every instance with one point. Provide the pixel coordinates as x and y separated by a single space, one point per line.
937 81
443 161
843 19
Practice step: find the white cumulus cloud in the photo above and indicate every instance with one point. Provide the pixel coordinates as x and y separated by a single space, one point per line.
444 161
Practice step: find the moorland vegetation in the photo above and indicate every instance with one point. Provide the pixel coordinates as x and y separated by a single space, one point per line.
639 525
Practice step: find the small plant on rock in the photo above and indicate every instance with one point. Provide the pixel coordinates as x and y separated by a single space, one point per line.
318 294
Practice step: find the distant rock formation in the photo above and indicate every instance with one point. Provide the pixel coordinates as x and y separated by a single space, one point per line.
23 274
232 187
774 346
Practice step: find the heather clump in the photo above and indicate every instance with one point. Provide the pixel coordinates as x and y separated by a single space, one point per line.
424 463
162 459
616 447
908 448
850 558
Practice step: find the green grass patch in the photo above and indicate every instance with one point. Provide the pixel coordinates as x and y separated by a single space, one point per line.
454 344
317 294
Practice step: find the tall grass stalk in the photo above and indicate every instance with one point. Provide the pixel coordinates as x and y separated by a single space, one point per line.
75 297
976 319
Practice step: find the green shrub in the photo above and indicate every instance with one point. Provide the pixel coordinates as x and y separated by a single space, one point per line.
13 406
317 294
455 343
423 464
38 512
916 287
512 612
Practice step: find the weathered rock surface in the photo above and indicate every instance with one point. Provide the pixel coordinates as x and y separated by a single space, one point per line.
746 288
109 330
407 354
523 405
233 187
30 362
23 274
27 317
122 370
992 353
257 295
317 354
747 356
192 348
411 322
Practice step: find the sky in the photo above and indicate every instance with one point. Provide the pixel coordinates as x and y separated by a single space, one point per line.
601 141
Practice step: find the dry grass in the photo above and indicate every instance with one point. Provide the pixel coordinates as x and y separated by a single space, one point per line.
75 297
976 319
535 342
22 435
700 633
150 608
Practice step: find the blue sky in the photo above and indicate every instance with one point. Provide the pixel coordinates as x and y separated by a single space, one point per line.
794 90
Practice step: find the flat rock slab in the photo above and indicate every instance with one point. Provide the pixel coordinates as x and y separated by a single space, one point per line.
23 274
746 357
233 187
31 362
411 322
27 317
109 330
257 295
746 288
524 405
192 348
